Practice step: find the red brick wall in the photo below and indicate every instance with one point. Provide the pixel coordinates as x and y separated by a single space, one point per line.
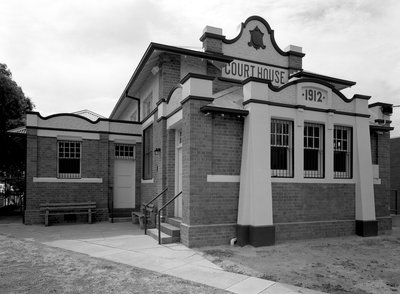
170 73
295 63
47 157
395 170
170 168
227 140
310 230
381 143
298 202
211 146
42 162
212 45
303 210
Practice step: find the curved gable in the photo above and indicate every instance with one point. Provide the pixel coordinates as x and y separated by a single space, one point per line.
256 41
174 99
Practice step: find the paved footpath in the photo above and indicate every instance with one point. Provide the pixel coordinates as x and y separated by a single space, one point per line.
125 243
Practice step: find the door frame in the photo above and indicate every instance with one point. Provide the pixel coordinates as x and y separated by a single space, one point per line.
178 176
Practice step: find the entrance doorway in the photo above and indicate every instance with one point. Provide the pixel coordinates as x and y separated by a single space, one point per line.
124 176
178 173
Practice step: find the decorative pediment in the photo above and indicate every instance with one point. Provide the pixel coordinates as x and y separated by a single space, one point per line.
256 42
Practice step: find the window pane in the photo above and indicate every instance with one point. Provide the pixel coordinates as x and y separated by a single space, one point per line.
316 142
340 161
279 158
311 159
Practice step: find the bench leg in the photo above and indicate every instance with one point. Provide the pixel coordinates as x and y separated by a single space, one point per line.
46 218
90 216
141 218
134 218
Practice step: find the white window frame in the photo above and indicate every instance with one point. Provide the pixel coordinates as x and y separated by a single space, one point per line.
124 151
67 149
282 137
148 144
314 142
343 145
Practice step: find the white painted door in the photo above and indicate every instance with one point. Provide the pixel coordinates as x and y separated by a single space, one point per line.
178 174
124 183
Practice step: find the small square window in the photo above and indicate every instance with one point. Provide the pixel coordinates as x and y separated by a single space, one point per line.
124 151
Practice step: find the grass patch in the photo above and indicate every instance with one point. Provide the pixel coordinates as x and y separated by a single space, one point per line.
30 267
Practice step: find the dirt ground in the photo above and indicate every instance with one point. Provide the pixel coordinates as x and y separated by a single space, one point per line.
30 267
335 265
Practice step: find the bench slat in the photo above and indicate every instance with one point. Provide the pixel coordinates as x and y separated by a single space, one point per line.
67 204
67 208
62 213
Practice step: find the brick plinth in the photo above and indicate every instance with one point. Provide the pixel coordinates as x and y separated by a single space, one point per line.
312 210
311 230
207 235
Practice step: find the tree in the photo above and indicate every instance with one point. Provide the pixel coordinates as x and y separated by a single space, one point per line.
13 107
13 103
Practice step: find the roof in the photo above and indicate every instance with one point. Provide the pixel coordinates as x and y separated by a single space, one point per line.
89 114
19 130
339 84
150 60
227 101
85 113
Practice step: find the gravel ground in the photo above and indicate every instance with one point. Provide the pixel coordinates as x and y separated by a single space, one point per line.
335 265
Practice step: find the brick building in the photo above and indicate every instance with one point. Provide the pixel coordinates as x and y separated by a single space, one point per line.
395 178
262 150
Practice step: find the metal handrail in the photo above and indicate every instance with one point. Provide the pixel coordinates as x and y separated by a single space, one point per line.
145 209
159 215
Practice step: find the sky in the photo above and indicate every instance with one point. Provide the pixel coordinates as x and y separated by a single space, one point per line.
69 55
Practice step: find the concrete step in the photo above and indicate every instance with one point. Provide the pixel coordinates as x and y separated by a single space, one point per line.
120 219
165 238
174 221
170 230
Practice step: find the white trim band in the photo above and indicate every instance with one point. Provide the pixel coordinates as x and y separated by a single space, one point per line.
223 179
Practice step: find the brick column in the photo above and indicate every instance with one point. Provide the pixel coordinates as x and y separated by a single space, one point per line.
295 58
212 39
31 216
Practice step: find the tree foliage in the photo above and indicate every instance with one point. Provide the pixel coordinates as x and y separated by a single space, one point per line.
13 107
13 103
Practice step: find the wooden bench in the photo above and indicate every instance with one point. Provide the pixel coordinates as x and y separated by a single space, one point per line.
47 209
139 216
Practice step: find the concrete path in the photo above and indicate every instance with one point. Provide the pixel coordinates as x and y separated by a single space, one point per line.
125 243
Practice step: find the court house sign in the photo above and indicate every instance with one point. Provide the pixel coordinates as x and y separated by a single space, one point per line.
242 70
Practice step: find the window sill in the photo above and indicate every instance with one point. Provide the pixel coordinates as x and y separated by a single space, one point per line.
148 181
